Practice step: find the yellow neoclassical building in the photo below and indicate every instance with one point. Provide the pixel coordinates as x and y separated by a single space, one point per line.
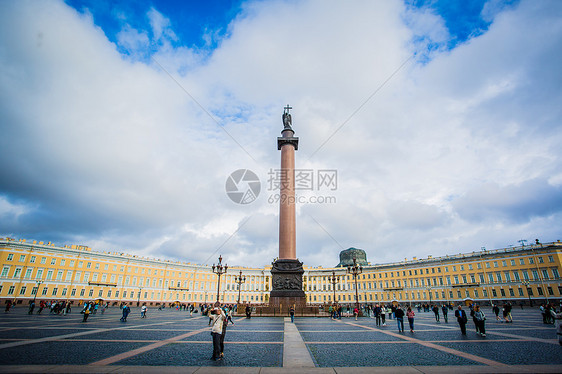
44 271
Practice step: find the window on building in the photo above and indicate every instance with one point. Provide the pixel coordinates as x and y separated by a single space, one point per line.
520 291
64 290
485 293
487 265
512 262
481 276
555 273
499 276
550 291
539 291
504 263
454 268
43 260
22 290
545 274
490 278
476 296
495 264
11 290
525 275
28 272
511 292
550 258
529 291
22 258
469 266
53 261
531 260
502 292
535 275
521 261
32 259
34 290
71 263
10 257
516 276
17 272
541 260
88 265
45 290
507 276
462 267
5 271
73 292
62 262
494 293
55 290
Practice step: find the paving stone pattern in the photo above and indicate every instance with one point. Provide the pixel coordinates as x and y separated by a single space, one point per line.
171 338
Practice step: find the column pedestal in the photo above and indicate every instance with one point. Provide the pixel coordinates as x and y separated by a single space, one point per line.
286 277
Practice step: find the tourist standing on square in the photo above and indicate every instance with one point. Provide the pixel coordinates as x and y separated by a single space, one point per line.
410 314
143 311
356 313
461 319
399 315
292 314
216 330
480 321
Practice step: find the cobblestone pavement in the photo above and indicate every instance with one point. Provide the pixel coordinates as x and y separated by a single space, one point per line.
172 341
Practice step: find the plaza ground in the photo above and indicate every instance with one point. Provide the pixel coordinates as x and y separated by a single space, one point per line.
171 341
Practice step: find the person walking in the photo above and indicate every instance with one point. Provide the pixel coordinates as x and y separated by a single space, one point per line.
86 313
126 311
480 321
461 319
496 310
435 310
445 311
410 314
356 313
377 312
143 311
399 315
383 315
216 330
558 318
292 314
31 307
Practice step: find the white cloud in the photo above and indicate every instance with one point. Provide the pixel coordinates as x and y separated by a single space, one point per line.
113 152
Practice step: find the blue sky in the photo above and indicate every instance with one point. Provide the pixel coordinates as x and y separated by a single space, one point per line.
122 121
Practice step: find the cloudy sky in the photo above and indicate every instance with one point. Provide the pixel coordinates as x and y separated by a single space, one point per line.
440 122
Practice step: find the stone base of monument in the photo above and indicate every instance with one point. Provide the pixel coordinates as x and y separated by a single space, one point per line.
286 280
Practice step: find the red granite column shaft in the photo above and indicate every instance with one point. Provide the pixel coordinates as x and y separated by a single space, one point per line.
287 219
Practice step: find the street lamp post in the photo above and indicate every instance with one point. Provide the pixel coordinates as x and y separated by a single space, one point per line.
355 270
526 284
219 270
240 279
334 281
429 291
138 299
36 292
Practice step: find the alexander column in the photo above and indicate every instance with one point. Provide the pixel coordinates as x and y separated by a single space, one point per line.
287 271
